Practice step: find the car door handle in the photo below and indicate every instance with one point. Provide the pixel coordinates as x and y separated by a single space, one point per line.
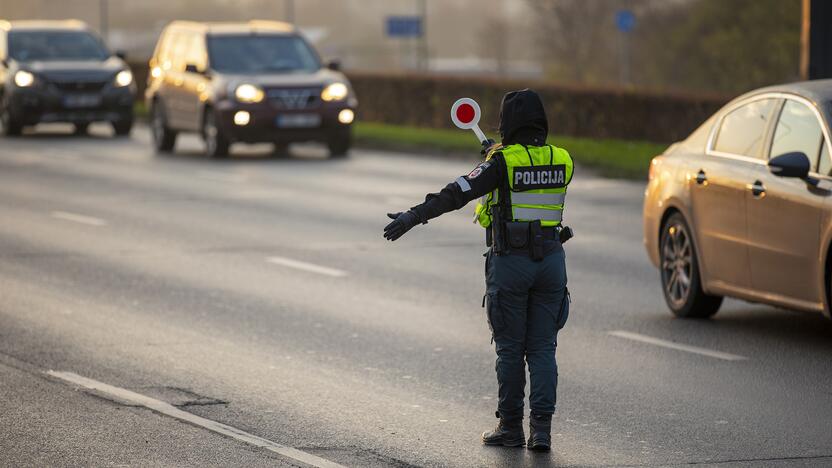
757 188
701 178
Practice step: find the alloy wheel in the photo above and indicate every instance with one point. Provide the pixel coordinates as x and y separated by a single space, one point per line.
677 263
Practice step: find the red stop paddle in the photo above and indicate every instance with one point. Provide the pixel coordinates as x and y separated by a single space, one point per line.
465 113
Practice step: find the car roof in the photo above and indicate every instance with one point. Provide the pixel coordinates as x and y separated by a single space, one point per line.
818 91
43 25
250 27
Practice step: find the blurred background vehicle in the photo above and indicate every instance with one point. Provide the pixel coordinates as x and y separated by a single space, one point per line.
61 71
742 207
251 82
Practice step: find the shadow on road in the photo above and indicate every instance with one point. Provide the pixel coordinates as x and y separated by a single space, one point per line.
784 325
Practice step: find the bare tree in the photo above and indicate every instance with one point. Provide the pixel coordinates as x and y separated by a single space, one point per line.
575 37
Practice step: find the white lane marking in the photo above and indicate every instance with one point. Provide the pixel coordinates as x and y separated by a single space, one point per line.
288 262
676 346
169 410
77 218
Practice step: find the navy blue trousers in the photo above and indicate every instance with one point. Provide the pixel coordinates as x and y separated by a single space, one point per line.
527 303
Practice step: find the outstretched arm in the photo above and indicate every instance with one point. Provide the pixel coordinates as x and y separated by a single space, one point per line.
481 180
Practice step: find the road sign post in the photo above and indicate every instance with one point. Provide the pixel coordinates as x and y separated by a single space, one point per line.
465 114
405 27
625 21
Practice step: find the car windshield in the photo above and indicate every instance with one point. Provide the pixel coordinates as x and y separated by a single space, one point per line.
250 54
27 46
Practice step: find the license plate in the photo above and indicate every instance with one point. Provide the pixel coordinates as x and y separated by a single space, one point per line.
298 120
82 100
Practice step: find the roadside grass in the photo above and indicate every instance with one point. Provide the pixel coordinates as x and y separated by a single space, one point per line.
609 157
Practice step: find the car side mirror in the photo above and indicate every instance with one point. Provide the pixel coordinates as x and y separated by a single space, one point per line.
334 65
121 54
795 164
191 68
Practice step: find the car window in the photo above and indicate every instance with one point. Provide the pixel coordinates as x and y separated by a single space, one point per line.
824 164
743 129
260 53
26 46
797 130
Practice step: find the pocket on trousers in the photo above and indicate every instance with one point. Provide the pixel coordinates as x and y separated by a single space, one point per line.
563 315
492 312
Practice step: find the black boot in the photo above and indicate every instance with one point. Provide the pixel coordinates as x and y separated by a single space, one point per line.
540 428
509 433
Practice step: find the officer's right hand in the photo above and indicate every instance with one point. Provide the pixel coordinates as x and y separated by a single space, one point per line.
486 145
402 222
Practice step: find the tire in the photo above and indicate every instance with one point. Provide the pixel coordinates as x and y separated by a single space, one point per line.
679 267
122 128
339 146
10 126
164 139
216 144
81 129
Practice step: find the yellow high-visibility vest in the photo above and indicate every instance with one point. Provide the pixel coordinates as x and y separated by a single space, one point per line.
537 180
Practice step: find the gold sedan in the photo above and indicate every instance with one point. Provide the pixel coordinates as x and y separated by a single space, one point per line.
743 206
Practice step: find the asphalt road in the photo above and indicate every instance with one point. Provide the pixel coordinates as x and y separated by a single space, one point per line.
178 278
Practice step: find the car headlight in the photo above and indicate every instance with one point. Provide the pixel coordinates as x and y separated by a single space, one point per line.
124 78
249 93
335 92
24 79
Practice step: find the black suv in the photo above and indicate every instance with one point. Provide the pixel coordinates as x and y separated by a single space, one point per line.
60 71
251 82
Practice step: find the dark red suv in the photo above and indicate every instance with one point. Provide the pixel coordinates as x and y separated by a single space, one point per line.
246 82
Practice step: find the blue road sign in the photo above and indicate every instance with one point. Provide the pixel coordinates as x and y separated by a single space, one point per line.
625 20
404 26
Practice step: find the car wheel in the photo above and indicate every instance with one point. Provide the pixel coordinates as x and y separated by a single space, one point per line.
81 128
216 144
164 138
339 146
10 127
681 281
122 127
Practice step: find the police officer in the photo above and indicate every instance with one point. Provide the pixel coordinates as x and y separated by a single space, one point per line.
523 188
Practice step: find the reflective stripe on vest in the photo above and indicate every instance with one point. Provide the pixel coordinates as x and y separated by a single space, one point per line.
531 214
526 198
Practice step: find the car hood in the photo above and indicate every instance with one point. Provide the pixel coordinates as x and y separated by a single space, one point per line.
74 70
320 78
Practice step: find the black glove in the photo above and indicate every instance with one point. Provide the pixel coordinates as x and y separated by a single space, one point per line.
486 145
402 222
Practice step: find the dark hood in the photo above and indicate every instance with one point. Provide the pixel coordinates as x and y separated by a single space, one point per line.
81 70
523 119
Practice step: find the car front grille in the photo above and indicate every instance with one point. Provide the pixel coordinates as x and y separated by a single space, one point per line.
79 86
294 98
